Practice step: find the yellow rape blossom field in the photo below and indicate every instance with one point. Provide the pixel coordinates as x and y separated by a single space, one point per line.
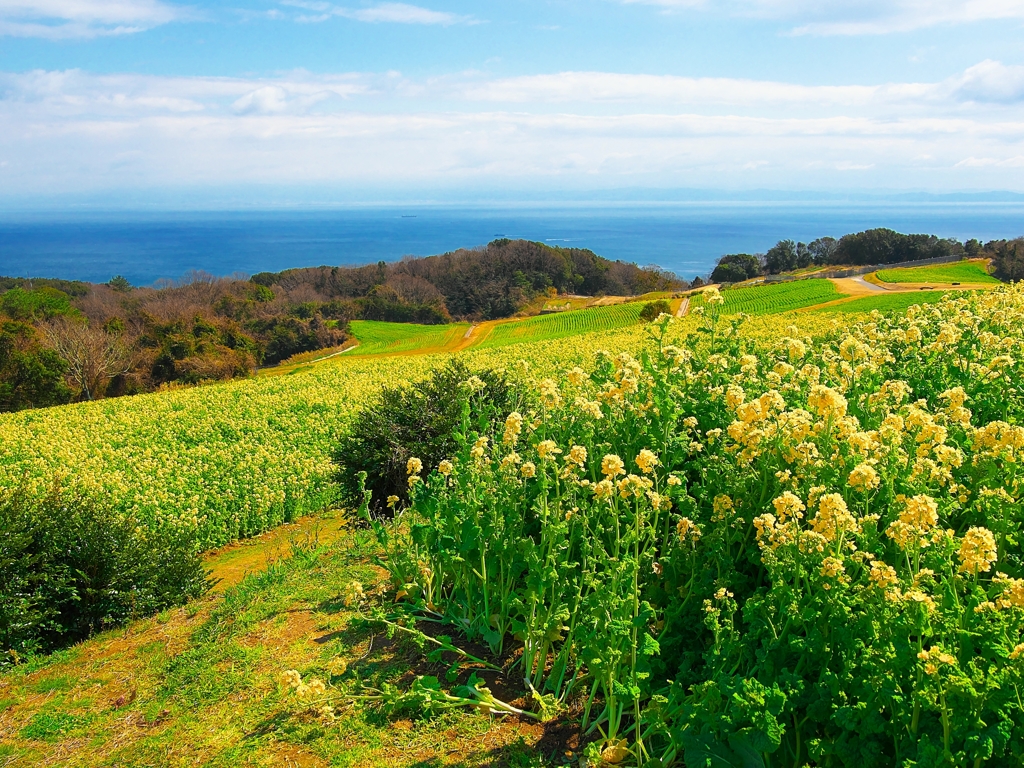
791 539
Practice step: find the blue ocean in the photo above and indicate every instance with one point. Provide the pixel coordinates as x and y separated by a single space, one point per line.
685 238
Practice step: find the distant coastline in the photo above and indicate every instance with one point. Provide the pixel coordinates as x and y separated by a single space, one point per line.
687 238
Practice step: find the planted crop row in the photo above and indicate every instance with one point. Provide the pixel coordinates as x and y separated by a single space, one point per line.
771 299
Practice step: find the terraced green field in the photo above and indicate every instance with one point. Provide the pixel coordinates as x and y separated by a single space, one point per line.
563 324
376 338
960 272
780 297
888 302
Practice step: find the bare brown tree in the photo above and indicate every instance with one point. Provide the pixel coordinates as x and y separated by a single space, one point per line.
93 355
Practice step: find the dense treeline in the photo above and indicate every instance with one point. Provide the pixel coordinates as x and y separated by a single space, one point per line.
486 283
873 246
63 340
112 339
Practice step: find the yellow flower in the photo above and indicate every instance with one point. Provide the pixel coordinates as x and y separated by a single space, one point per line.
576 376
647 461
414 466
577 455
291 678
549 394
479 448
604 489
445 467
977 550
392 500
826 402
795 349
863 478
687 529
529 469
612 466
721 506
921 511
546 449
832 567
1018 651
833 518
734 397
788 505
883 575
633 485
510 461
513 427
590 407
1013 592
956 397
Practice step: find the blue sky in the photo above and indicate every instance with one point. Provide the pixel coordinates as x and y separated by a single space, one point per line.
324 99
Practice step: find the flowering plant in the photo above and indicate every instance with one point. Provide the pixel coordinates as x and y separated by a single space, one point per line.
729 552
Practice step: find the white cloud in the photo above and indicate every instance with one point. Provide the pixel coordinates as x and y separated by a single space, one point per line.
992 162
397 13
66 131
566 87
856 17
61 19
268 100
990 81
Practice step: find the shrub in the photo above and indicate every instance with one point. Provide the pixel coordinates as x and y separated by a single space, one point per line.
653 310
71 566
422 420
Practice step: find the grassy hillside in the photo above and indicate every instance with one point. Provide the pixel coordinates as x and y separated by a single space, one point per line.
200 685
961 272
563 324
376 338
885 302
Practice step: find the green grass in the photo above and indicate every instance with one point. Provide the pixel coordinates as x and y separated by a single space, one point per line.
377 337
563 324
207 691
772 299
887 302
961 272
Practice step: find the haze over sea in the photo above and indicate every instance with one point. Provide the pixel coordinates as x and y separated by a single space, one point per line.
686 238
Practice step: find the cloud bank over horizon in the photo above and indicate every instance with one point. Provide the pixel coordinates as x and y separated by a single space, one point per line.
74 130
104 95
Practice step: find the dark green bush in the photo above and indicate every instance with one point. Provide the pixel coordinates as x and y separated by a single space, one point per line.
71 566
655 309
428 420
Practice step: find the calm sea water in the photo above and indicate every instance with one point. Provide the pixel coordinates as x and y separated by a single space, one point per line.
685 238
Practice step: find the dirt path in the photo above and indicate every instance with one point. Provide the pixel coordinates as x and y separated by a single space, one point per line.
855 286
230 564
684 307
474 335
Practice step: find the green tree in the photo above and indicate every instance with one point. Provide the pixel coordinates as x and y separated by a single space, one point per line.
30 377
120 284
781 257
33 305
